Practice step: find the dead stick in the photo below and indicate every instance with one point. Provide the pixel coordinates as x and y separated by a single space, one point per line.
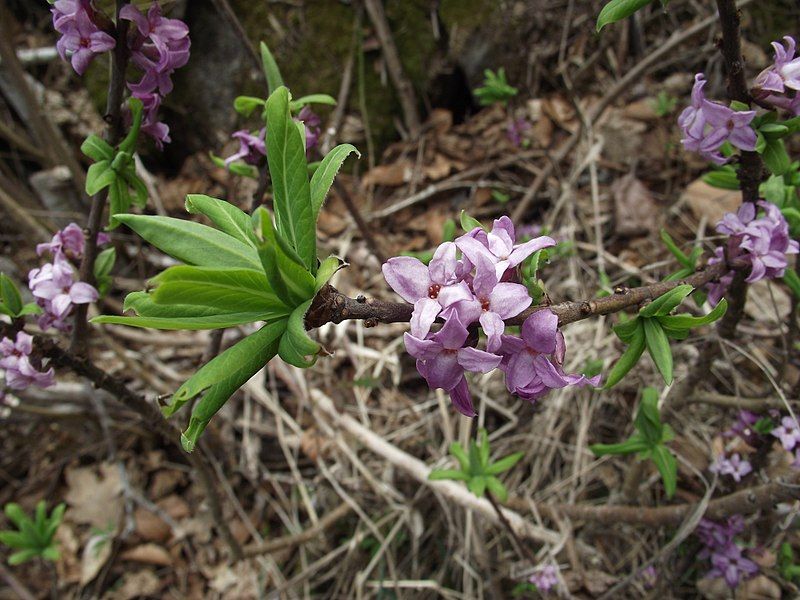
366 232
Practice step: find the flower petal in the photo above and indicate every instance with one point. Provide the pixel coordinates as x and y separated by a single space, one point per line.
408 277
540 331
462 399
477 361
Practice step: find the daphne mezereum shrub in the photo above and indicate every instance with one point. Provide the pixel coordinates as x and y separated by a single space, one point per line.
475 305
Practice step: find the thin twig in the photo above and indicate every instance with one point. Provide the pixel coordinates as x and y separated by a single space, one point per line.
521 547
366 232
114 131
227 13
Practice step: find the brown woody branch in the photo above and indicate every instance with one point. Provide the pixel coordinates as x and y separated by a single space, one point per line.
331 306
113 135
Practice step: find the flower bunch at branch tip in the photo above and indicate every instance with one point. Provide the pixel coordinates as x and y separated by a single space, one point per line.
779 83
20 372
157 46
475 281
759 244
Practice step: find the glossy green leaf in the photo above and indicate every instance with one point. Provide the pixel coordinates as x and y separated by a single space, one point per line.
792 280
324 175
326 270
296 346
325 99
628 359
286 155
10 296
648 418
630 446
477 485
679 254
22 556
245 105
724 178
30 309
667 466
504 464
235 365
616 10
271 70
104 263
667 302
469 223
773 131
440 474
229 290
658 347
128 144
228 218
99 176
97 148
776 158
688 321
627 329
193 243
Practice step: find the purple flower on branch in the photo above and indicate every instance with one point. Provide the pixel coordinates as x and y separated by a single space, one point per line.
545 578
56 290
20 373
252 148
80 35
730 564
442 360
784 73
532 363
707 125
516 129
312 123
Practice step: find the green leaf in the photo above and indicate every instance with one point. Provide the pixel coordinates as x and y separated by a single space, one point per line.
326 270
688 321
286 155
14 539
483 449
10 296
245 105
458 451
228 218
667 302
181 316
627 329
616 10
193 243
628 359
724 178
658 347
469 223
776 158
228 290
496 488
648 419
631 446
477 485
128 145
271 70
97 148
100 175
773 131
104 263
679 254
323 177
30 309
504 464
237 168
439 474
237 364
22 556
295 344
668 467
325 99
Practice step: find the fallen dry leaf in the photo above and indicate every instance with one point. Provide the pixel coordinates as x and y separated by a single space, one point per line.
151 554
164 482
175 506
635 211
95 498
760 587
709 202
140 584
95 554
389 175
151 527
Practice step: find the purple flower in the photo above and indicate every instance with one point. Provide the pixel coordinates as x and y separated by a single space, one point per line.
760 243
159 131
69 240
20 373
707 125
442 360
252 148
730 564
80 36
788 433
515 130
649 577
312 124
530 371
431 289
715 535
734 466
784 73
499 246
55 287
159 46
743 427
545 578
493 303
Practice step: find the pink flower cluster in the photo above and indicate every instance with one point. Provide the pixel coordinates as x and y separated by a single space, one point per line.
15 359
54 284
545 578
779 84
157 45
760 243
706 125
480 287
735 466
